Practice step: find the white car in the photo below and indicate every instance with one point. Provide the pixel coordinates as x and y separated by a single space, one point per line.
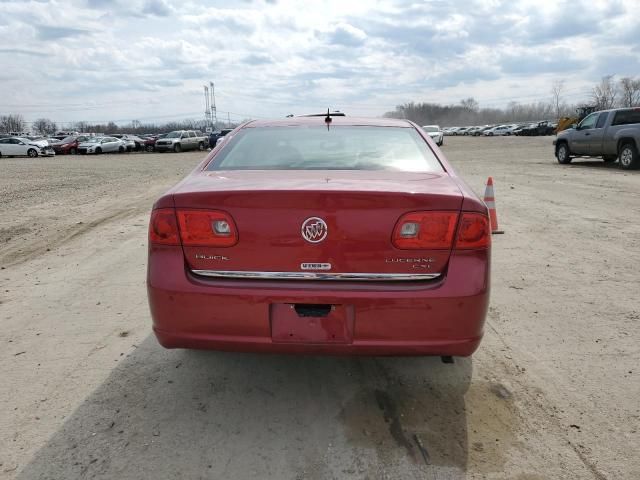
99 145
20 146
133 142
512 128
498 131
435 132
129 143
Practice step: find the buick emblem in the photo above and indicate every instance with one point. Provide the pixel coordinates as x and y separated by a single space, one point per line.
314 230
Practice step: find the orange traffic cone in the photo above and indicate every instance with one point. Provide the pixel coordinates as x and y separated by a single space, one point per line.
490 201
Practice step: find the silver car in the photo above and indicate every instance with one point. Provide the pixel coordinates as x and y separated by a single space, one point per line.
99 145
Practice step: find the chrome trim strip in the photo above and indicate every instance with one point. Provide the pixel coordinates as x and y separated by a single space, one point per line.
369 277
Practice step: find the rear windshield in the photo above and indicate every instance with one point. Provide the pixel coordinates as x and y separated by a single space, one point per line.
625 117
319 148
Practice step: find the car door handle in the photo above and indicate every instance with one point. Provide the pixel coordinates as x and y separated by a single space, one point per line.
587 134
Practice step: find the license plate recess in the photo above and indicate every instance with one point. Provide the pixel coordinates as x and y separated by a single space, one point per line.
311 323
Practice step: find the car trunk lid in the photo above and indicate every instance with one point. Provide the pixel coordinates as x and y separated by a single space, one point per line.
359 208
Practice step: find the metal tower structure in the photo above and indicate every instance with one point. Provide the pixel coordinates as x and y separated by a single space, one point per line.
213 110
207 107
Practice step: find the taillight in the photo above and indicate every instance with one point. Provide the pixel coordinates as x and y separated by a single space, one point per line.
425 230
163 227
207 228
474 231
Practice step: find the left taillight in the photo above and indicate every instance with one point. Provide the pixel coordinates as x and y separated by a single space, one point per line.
207 228
163 227
474 231
442 230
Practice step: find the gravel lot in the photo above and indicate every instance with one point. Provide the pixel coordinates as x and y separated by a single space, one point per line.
87 392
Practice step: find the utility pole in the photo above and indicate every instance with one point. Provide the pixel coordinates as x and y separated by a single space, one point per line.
228 120
214 112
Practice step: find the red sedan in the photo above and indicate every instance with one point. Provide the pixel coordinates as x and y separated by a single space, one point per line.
320 234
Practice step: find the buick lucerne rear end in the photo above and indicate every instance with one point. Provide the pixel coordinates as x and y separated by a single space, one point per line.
321 235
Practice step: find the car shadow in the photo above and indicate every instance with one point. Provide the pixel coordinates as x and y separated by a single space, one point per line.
597 164
201 414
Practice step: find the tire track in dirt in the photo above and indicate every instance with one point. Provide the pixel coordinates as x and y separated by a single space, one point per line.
25 250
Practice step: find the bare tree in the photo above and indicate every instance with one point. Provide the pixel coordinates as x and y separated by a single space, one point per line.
605 93
12 123
45 126
81 126
190 123
470 104
557 89
630 92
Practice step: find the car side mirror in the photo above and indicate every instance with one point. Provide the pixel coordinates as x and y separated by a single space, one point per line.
575 127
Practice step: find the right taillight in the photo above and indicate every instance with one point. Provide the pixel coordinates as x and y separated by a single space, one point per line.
474 231
425 230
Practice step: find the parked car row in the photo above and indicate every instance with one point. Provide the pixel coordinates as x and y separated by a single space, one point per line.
71 143
544 127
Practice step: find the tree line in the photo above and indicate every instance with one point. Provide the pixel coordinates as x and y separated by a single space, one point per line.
608 93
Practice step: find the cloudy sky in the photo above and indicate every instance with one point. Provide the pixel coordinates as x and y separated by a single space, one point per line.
101 60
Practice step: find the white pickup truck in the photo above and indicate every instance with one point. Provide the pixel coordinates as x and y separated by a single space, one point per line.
610 134
180 140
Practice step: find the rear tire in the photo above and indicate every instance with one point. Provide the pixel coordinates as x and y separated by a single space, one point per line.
629 157
121 149
32 153
98 151
201 146
149 148
177 148
72 151
563 154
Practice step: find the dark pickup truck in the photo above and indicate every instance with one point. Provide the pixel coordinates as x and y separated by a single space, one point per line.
610 134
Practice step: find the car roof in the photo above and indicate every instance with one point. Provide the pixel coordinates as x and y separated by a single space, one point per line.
343 121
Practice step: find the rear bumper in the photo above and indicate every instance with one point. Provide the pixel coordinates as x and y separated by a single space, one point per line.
440 317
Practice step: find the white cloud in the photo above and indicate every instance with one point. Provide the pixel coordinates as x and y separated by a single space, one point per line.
126 59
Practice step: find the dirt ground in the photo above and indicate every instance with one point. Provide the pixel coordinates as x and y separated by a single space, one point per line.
552 393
